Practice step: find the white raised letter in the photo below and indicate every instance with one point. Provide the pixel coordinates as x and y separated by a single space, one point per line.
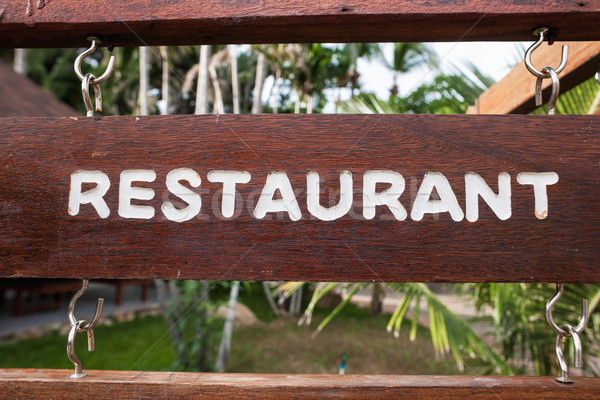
192 198
475 186
313 190
229 180
126 193
387 197
93 196
447 202
277 180
539 180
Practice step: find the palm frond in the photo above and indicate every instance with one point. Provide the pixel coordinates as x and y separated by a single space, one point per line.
582 99
449 332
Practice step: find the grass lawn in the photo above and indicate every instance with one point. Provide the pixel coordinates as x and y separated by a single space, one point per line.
272 346
141 344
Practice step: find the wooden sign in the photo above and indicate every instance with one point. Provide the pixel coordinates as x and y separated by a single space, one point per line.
319 197
62 23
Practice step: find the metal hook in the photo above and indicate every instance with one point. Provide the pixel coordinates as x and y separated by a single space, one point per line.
555 90
550 307
79 60
97 312
564 368
80 326
85 91
71 350
88 79
540 74
597 75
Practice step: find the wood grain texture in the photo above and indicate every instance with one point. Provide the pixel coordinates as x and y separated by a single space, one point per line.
38 238
21 97
515 92
42 384
66 23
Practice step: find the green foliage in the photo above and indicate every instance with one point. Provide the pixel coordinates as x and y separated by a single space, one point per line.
284 347
521 325
409 55
449 333
582 99
194 326
446 94
307 70
140 345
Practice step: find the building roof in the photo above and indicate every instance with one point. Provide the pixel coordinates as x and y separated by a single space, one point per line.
21 97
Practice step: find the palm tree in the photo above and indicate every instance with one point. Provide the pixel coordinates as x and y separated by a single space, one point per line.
261 70
20 61
446 94
353 52
408 56
527 341
165 86
202 85
582 99
235 85
144 81
228 328
521 326
220 58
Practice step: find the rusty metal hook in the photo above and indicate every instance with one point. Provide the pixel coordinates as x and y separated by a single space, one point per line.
540 74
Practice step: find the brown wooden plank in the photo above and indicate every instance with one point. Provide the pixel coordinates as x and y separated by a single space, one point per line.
66 23
515 93
39 238
42 384
22 97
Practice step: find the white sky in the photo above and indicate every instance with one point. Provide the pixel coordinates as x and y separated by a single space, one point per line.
495 59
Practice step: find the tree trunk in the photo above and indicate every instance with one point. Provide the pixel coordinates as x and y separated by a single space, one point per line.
20 61
235 85
296 301
201 330
377 299
270 299
228 328
202 87
219 107
164 54
174 330
309 103
276 89
143 94
261 69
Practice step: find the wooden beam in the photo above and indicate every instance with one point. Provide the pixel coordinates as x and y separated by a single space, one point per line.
66 23
38 384
46 233
514 94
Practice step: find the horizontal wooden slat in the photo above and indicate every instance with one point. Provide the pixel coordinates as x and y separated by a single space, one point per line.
64 23
39 238
43 384
515 92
